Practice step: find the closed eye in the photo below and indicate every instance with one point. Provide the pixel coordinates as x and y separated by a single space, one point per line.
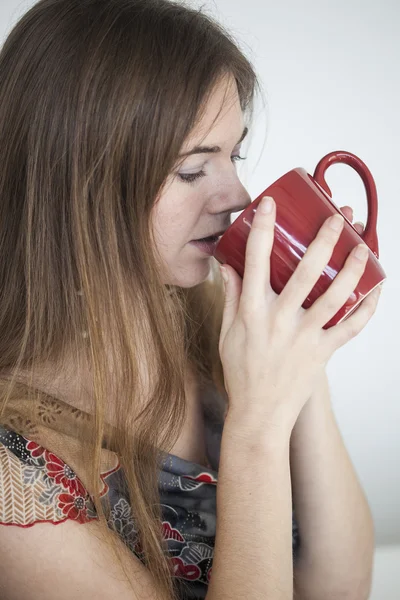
192 177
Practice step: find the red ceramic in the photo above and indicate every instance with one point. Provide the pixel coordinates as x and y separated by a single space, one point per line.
303 203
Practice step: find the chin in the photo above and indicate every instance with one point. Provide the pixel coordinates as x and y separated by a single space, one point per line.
190 277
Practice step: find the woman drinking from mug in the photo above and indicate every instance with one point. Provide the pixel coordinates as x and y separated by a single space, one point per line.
156 440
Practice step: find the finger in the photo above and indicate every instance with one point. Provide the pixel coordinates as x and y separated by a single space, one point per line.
233 288
256 278
359 227
348 212
342 333
339 291
313 263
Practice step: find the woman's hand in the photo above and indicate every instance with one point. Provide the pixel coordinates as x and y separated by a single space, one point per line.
348 213
273 350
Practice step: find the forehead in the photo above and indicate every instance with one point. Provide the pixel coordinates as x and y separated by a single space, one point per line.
221 113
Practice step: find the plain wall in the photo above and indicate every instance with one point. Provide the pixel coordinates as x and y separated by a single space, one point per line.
331 73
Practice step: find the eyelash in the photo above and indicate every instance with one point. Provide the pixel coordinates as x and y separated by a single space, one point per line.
191 177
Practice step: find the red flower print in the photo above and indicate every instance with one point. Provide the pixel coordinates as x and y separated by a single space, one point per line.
103 477
183 571
203 478
63 474
34 449
74 507
169 533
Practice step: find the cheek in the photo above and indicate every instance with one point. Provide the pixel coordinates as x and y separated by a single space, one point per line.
172 234
177 214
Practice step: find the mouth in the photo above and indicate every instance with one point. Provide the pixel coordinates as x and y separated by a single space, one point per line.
206 245
210 239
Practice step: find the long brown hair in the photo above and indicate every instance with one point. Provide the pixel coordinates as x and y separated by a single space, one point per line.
96 100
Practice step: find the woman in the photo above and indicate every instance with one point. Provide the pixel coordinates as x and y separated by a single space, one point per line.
129 387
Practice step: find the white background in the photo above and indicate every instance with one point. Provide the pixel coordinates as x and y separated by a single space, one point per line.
331 72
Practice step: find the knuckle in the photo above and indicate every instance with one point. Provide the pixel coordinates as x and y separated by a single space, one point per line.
327 238
355 264
354 331
359 265
352 275
355 326
304 273
328 232
321 248
355 323
248 310
344 335
330 305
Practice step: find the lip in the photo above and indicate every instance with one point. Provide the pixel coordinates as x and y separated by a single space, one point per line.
205 247
217 233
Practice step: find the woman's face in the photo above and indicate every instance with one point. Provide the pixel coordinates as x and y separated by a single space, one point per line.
188 211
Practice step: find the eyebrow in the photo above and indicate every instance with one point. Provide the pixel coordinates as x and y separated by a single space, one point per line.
211 149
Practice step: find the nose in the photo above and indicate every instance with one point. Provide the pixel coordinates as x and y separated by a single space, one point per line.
229 196
240 198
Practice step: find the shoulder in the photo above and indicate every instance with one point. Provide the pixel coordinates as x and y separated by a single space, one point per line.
38 486
30 495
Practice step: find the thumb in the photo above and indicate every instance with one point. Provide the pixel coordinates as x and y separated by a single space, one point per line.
232 287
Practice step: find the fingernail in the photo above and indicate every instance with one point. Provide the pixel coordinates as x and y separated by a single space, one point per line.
267 205
336 222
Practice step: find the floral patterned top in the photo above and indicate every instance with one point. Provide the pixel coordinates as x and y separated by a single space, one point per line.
37 486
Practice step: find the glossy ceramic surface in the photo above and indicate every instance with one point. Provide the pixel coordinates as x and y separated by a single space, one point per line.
303 203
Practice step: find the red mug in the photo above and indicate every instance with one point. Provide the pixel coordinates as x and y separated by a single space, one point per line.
303 203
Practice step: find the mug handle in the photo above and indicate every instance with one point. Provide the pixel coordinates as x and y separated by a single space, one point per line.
369 235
